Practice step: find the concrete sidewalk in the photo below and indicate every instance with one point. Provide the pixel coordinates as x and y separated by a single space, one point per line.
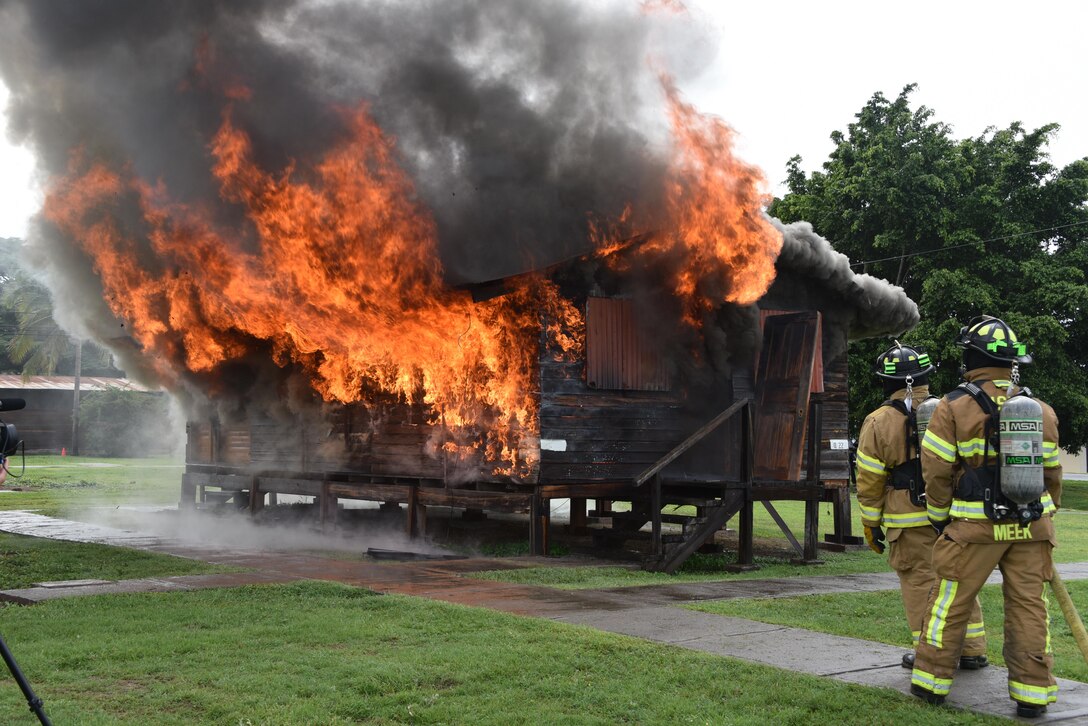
648 612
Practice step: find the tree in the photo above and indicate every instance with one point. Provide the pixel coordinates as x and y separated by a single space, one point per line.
984 225
33 343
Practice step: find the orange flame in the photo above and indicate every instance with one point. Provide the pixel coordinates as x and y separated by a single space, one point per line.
335 271
715 234
341 278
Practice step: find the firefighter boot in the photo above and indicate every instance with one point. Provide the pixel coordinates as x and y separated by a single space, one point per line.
1029 710
973 662
927 696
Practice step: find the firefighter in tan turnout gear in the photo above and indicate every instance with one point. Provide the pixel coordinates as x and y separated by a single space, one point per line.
993 482
891 493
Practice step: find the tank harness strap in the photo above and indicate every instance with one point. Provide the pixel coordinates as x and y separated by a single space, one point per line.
908 475
983 483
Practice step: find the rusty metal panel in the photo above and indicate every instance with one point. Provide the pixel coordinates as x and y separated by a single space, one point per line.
619 353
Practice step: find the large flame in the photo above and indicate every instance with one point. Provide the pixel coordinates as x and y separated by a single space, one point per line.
338 273
334 271
715 237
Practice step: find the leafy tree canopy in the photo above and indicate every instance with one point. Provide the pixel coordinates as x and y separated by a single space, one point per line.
31 342
983 225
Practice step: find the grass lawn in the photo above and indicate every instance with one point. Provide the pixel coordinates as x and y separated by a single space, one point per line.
1071 523
26 560
322 653
879 616
59 485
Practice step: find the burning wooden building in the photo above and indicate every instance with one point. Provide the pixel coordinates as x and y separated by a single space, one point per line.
317 248
625 404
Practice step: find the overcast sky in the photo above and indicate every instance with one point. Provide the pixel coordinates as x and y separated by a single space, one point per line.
786 74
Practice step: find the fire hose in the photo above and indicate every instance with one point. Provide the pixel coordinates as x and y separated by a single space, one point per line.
1072 617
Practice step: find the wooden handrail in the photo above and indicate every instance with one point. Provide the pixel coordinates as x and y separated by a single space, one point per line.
690 441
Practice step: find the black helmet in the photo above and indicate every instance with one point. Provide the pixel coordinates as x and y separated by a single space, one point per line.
994 339
901 362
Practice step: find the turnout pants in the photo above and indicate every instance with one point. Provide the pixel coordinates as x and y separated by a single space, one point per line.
910 554
961 570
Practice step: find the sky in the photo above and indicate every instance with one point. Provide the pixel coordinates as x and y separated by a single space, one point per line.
785 74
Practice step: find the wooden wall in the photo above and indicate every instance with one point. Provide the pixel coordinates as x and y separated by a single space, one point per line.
46 422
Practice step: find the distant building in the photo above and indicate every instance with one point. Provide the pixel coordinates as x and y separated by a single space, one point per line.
1074 463
46 422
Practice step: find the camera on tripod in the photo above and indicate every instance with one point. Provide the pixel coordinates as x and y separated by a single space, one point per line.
9 436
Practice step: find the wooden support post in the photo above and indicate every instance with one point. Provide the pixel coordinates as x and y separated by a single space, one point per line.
188 493
579 522
655 515
256 499
539 520
812 526
327 505
745 537
417 514
842 521
812 502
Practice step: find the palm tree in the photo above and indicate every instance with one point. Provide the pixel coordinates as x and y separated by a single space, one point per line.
38 343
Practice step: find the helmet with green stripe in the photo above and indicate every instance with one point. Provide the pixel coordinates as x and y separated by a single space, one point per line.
994 339
901 362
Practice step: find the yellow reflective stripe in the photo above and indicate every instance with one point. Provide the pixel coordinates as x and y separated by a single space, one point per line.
971 447
1046 604
936 513
913 519
1001 384
939 614
1039 695
871 463
915 636
930 682
964 509
870 513
975 630
1048 503
939 446
1050 448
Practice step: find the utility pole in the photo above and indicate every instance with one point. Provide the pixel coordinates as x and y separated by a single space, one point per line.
75 398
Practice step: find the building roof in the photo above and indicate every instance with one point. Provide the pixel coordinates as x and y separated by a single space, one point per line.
14 381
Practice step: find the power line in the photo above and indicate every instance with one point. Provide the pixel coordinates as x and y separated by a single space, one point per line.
970 244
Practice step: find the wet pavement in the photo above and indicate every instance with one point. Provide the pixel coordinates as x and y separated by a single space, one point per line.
648 612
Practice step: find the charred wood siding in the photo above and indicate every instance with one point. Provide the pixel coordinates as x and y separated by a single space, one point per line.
591 435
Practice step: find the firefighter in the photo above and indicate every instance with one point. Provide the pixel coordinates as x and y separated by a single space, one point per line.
969 492
891 493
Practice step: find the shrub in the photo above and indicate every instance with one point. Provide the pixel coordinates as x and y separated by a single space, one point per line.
125 424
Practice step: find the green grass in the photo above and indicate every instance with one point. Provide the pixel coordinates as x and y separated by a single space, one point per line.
322 653
58 485
1071 523
879 616
26 560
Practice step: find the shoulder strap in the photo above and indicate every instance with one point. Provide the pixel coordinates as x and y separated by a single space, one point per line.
981 398
993 416
910 422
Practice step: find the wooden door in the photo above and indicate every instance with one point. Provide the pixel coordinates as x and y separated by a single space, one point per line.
783 382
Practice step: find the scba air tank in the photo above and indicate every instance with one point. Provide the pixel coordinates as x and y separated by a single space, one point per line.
923 413
1020 434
